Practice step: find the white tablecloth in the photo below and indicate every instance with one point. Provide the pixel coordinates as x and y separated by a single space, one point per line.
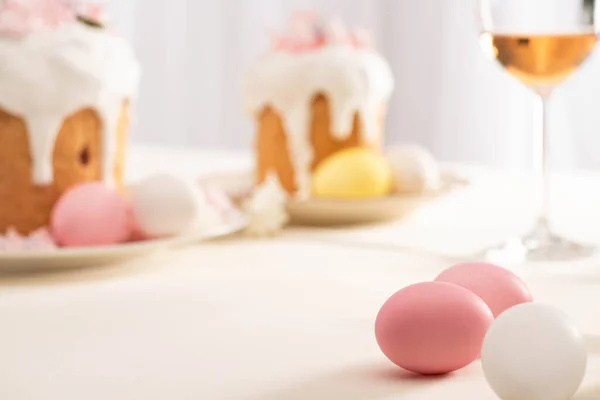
288 318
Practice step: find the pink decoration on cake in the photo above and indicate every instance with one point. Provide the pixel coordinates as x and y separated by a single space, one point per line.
38 240
21 17
91 214
337 32
89 10
306 32
362 38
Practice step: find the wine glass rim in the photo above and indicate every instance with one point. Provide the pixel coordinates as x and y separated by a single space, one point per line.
489 24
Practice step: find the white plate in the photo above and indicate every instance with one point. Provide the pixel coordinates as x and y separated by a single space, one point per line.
331 212
98 256
328 212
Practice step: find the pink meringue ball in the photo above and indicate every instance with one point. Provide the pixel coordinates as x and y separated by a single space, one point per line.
432 328
497 286
91 214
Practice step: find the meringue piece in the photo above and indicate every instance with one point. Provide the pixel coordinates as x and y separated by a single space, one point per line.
266 208
414 168
38 240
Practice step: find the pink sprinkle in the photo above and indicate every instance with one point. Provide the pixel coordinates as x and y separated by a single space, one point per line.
94 12
217 199
304 18
337 32
22 17
91 11
362 38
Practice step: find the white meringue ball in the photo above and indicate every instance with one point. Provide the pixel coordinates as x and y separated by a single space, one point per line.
165 205
266 208
415 169
534 351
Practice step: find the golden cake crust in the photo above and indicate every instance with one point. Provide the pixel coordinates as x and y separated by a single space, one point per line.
76 159
272 152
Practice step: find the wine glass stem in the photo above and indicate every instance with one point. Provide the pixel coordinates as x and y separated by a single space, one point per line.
541 158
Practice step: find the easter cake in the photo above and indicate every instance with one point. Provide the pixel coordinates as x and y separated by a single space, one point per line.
320 89
65 85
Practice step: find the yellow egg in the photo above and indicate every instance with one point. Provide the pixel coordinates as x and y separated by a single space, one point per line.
355 173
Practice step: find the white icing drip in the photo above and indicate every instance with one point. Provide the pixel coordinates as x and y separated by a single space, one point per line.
353 80
45 129
109 110
51 74
342 116
370 123
297 124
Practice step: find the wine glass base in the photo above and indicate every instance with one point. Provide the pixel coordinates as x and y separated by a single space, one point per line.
541 244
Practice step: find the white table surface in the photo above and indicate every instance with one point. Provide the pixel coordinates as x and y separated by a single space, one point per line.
288 318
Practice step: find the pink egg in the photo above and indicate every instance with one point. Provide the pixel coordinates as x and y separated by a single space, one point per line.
497 286
137 235
91 214
432 327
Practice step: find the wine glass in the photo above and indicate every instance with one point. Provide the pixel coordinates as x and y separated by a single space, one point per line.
540 43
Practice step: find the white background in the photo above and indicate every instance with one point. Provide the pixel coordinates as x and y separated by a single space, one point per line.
449 97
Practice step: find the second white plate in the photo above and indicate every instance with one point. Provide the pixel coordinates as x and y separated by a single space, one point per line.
328 212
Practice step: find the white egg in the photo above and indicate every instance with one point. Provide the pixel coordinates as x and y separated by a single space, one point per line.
534 352
415 169
165 205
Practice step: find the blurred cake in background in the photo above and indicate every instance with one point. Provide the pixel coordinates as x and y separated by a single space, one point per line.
320 89
65 84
